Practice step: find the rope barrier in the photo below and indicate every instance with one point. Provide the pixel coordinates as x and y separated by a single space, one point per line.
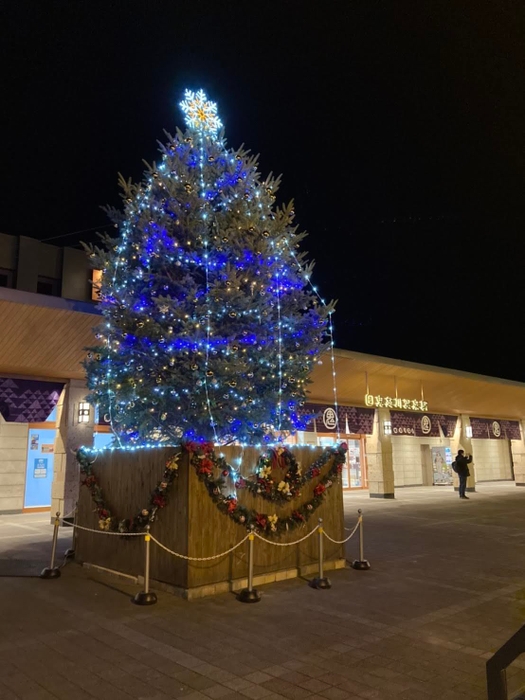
252 534
349 536
287 544
102 532
183 556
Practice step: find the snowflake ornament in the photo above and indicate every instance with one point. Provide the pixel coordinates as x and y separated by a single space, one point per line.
200 113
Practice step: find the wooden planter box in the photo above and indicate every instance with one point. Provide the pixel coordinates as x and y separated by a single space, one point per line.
191 524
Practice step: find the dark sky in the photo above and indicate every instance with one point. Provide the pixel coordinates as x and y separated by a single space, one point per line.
399 128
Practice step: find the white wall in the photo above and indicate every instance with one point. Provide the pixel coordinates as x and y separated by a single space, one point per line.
13 457
491 459
407 456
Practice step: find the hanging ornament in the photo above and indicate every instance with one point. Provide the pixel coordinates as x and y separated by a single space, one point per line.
232 383
209 373
163 416
194 367
232 314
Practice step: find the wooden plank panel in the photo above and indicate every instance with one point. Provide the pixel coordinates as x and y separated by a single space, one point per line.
192 524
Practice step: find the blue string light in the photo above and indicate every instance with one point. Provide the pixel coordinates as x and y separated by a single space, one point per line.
211 328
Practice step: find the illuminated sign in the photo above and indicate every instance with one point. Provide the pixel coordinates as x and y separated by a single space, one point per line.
400 404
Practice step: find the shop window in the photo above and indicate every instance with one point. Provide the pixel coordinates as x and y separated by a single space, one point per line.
96 281
49 286
6 278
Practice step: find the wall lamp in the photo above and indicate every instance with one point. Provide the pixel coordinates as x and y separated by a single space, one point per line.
84 412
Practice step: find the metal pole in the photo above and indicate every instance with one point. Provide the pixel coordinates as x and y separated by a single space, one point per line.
250 595
53 571
321 581
70 553
250 562
361 546
361 564
146 597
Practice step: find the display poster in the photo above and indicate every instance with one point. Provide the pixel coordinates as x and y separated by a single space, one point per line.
441 465
49 449
34 441
40 468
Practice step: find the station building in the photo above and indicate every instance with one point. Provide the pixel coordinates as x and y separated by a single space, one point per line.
403 422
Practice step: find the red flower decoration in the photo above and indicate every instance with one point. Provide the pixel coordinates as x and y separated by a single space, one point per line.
315 472
159 501
319 489
261 521
232 505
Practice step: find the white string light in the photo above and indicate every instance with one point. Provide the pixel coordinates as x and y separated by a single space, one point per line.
330 336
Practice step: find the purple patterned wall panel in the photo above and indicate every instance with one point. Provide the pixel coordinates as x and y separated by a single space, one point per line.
422 424
491 429
28 401
360 420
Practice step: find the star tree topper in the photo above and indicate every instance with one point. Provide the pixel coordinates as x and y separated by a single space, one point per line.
200 113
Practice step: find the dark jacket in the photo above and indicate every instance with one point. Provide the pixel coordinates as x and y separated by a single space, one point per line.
462 463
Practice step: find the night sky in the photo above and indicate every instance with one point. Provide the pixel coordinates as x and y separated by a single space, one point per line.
399 128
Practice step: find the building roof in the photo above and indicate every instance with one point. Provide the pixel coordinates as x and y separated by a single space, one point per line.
445 390
45 337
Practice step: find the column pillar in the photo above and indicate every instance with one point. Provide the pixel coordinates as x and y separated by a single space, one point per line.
379 458
69 437
465 443
518 458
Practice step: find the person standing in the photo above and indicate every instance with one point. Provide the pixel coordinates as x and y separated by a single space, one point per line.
462 462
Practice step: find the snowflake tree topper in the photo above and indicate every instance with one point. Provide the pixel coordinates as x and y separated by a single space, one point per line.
200 113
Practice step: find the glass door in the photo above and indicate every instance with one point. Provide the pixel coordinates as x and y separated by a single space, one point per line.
354 475
355 458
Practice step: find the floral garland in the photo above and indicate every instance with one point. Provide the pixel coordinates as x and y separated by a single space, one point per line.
109 522
205 462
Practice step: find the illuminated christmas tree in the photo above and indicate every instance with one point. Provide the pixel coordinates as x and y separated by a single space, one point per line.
211 327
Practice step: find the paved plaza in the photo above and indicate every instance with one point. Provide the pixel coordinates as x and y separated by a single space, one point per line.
446 588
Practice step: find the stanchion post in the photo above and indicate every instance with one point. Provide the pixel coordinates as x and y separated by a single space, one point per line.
321 581
70 552
146 597
53 571
250 594
361 564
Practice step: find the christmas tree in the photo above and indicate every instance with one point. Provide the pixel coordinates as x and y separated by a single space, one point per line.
211 326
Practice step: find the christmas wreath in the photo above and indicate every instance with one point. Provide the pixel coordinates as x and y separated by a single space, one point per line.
106 520
206 463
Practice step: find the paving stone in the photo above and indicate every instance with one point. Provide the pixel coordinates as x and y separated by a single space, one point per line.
216 691
411 626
